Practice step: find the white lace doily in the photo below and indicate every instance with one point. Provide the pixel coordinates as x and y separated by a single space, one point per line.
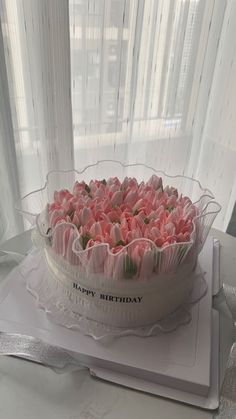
35 274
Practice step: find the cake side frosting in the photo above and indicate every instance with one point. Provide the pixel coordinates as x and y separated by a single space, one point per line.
119 251
118 303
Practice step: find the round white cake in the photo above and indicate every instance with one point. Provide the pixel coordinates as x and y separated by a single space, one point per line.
123 250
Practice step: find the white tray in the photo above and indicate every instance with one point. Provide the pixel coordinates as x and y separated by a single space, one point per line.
177 365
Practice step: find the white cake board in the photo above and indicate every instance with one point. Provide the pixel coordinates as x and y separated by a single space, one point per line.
177 365
210 402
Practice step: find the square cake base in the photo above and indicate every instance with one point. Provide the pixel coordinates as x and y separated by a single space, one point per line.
182 365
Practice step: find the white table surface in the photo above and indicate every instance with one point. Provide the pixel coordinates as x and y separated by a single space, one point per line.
30 391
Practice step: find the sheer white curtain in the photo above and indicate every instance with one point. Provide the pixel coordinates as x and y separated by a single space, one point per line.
9 222
133 80
141 74
35 49
217 153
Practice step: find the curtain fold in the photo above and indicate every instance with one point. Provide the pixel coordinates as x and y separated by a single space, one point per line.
141 76
37 56
132 80
10 223
141 72
217 155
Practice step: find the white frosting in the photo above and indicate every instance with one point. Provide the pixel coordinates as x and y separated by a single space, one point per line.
122 303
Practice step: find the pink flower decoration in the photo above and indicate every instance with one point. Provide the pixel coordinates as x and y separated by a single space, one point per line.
54 206
95 229
155 182
62 195
117 198
131 198
117 213
58 216
78 188
116 234
85 216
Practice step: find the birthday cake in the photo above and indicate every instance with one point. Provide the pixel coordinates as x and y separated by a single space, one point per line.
121 250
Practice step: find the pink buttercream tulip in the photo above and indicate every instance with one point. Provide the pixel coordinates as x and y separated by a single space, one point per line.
95 229
61 195
170 229
155 182
116 234
54 206
78 188
171 191
138 205
57 217
131 197
114 215
113 181
85 216
142 256
117 198
129 183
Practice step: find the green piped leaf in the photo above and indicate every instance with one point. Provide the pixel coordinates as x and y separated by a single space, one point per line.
157 257
170 208
183 251
130 268
120 243
85 240
71 214
87 188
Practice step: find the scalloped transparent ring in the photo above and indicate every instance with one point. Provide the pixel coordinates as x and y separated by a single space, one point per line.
96 296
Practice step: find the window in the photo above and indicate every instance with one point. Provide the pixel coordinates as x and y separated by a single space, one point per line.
133 64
